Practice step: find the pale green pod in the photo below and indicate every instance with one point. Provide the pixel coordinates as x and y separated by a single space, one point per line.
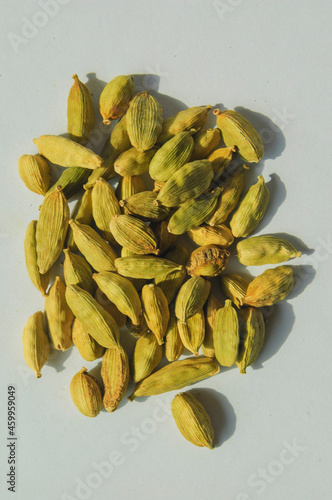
192 332
191 118
104 207
194 212
270 287
251 209
173 344
144 206
36 346
66 153
171 156
144 266
111 308
115 97
191 297
266 249
155 310
146 357
82 213
234 286
133 162
122 293
115 375
252 337
40 281
208 235
187 183
170 282
211 307
80 112
77 271
205 141
86 345
86 393
144 121
59 316
72 180
129 186
35 172
226 335
220 159
132 233
237 131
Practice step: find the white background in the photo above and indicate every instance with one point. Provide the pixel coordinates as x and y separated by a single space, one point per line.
272 59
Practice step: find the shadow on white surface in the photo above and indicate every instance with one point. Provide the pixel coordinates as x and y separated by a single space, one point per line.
57 359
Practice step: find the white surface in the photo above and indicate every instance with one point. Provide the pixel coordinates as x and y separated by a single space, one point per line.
271 58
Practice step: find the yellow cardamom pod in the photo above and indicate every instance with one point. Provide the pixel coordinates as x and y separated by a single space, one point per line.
80 112
270 287
115 375
144 266
77 271
59 316
253 334
111 308
208 235
208 260
133 162
266 249
88 348
129 186
155 310
211 307
40 281
234 286
104 206
36 346
114 99
35 172
146 357
134 234
144 121
82 213
226 336
86 393
191 297
191 118
173 344
192 332
220 159
143 205
205 141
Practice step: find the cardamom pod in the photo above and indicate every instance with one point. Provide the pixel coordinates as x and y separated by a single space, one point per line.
111 308
86 393
172 156
132 233
144 121
59 316
208 235
266 249
253 334
115 375
86 345
82 213
134 162
192 332
226 336
211 307
192 420
191 297
129 186
173 344
251 209
191 118
71 180
143 205
122 292
36 346
104 206
144 266
189 182
220 159
66 153
208 260
155 310
80 112
95 320
115 97
164 239
51 229
175 376
171 281
205 141
234 286
270 287
35 172
77 271
40 281
97 252
237 131
146 357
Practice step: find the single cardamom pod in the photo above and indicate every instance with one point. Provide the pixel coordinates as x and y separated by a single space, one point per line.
115 97
237 131
77 271
66 153
143 205
129 186
144 266
208 260
122 292
189 182
164 239
134 234
86 393
208 235
191 297
115 375
40 281
111 308
86 345
80 112
234 286
211 307
155 310
175 376
36 346
194 212
35 172
270 287
266 249
82 213
117 143
71 180
192 420
133 162
220 159
229 197
95 320
205 141
104 206
146 357
251 210
51 229
59 316
97 252
173 344
171 281
172 156
191 118
226 336
144 121
253 334
192 332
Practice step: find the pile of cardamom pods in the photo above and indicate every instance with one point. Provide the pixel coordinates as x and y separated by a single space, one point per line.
122 266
